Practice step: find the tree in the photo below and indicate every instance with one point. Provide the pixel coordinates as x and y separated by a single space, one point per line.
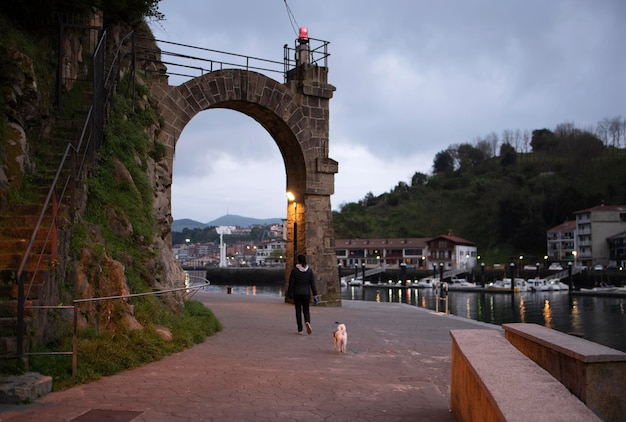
508 155
129 11
493 141
543 140
469 156
419 179
369 200
443 163
483 146
615 131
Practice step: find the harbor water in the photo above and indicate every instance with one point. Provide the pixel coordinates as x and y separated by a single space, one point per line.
599 319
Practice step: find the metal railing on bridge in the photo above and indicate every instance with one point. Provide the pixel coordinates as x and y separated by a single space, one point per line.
186 61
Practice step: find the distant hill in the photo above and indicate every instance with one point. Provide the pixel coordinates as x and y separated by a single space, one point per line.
186 223
225 220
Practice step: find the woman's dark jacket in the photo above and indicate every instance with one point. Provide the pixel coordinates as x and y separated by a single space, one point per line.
301 281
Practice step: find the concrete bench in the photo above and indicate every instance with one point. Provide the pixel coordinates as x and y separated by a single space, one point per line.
493 381
596 374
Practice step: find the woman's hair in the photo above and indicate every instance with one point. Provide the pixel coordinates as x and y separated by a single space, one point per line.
302 260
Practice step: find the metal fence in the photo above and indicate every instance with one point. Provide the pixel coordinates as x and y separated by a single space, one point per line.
189 291
186 61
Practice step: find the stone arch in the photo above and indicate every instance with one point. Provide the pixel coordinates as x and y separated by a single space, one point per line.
296 115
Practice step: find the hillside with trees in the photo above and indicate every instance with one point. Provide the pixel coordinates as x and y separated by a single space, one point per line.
501 192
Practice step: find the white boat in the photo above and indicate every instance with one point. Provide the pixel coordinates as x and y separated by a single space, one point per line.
460 283
355 282
538 284
602 287
505 284
427 282
557 285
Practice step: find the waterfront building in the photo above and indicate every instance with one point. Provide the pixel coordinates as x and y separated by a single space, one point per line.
594 227
561 242
373 253
453 252
271 252
617 250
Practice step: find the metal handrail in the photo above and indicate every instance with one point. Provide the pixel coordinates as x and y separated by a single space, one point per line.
90 140
318 54
77 302
206 60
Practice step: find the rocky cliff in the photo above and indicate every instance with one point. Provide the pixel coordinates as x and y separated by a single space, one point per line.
104 248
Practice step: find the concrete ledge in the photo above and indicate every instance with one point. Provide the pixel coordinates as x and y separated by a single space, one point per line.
596 374
492 381
18 389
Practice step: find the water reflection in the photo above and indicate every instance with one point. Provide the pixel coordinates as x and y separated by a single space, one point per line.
547 313
576 315
600 319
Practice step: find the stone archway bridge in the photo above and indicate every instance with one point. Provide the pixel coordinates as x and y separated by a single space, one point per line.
295 113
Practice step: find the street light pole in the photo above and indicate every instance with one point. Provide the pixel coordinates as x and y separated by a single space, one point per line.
292 198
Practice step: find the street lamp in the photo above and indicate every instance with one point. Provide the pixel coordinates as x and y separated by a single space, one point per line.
363 271
292 198
575 254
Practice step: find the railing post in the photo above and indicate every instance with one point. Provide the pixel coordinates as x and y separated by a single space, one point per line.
20 316
75 342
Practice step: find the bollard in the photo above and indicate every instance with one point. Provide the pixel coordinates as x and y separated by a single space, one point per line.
442 294
229 290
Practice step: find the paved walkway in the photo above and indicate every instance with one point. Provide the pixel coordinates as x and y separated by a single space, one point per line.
397 368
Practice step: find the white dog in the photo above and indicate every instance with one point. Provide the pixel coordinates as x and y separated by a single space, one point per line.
340 338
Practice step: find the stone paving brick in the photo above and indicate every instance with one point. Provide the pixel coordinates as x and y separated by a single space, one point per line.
397 368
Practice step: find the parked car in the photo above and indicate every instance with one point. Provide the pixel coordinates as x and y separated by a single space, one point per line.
598 268
555 266
530 267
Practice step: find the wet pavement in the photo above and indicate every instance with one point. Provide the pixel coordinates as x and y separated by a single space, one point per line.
397 368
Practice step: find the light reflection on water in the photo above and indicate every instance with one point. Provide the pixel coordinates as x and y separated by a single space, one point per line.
600 319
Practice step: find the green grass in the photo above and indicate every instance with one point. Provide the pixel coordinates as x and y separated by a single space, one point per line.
103 354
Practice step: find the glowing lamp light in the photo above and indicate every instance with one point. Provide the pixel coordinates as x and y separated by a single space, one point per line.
303 35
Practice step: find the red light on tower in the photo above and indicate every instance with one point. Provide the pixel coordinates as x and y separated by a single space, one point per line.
303 35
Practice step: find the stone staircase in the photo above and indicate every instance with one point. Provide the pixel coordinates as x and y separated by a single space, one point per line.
18 226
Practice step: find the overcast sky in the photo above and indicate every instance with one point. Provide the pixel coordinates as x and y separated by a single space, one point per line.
413 77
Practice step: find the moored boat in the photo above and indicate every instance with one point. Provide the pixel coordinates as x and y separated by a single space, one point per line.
460 284
538 284
505 285
428 282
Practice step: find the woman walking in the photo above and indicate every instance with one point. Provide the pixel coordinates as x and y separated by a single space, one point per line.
301 284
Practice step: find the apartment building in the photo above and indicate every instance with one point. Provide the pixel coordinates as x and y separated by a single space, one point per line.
561 242
453 252
596 237
594 226
421 253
